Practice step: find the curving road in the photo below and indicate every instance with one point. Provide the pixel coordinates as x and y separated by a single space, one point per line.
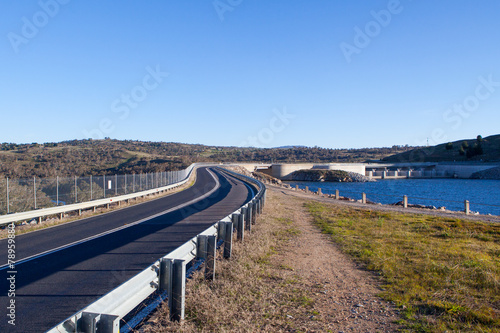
58 274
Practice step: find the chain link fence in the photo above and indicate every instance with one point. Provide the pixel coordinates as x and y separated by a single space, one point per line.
20 195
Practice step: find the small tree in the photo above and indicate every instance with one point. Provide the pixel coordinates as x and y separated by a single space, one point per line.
449 146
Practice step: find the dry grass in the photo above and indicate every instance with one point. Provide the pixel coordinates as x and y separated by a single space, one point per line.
254 291
443 272
285 277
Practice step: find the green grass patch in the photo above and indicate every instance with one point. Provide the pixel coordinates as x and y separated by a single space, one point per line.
443 273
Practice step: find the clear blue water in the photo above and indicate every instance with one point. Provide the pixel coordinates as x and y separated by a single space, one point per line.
483 195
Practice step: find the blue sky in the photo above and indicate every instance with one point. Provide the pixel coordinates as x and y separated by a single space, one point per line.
336 74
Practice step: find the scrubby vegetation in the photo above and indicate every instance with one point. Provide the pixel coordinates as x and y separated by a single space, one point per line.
443 273
97 157
478 149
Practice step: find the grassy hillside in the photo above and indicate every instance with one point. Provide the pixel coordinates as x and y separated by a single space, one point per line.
451 152
92 157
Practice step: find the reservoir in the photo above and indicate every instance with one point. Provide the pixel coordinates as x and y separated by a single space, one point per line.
483 195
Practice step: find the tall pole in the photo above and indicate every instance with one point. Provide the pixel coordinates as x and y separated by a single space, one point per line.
57 190
104 185
116 185
34 189
8 205
76 190
91 192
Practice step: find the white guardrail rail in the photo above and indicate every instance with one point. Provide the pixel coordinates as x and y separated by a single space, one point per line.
166 278
39 213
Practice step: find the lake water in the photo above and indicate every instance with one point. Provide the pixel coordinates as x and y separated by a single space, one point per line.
483 195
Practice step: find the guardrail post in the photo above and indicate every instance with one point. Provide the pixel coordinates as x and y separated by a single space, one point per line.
467 207
248 217
228 239
201 247
173 280
319 191
363 197
211 255
337 195
254 212
177 290
165 275
108 324
238 220
307 189
88 322
405 201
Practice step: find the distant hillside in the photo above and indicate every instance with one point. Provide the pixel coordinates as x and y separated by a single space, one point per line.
478 149
92 157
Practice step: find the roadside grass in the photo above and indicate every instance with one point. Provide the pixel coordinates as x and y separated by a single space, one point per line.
444 273
254 291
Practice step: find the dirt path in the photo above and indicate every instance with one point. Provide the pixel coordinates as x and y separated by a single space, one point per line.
345 294
285 277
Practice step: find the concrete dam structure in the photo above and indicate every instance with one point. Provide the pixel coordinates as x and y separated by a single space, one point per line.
284 171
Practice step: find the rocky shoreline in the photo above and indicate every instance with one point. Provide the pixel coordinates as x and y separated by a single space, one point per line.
493 174
328 176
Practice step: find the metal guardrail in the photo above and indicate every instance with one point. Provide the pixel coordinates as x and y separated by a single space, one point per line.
39 213
167 275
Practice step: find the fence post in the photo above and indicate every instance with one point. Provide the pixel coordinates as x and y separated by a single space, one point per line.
91 191
8 203
319 191
466 209
363 197
34 190
116 184
307 189
211 255
76 191
405 201
133 183
104 185
337 195
125 184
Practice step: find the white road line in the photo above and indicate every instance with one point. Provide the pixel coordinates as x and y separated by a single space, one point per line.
217 185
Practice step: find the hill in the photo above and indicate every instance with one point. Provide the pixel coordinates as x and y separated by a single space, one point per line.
97 157
470 150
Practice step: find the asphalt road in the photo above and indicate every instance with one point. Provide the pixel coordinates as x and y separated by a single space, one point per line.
51 287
